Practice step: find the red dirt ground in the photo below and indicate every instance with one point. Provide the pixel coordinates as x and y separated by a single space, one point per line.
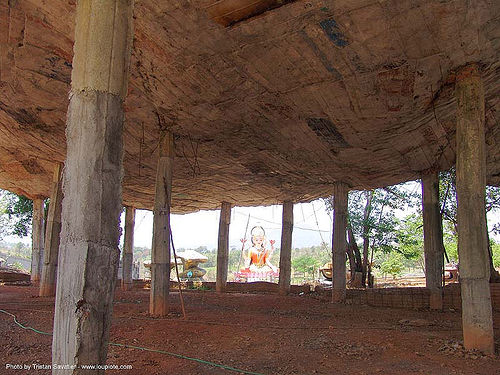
266 334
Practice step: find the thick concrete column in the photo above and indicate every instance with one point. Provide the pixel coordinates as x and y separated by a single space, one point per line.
477 320
286 249
339 243
37 238
160 253
433 240
52 236
128 249
223 247
89 253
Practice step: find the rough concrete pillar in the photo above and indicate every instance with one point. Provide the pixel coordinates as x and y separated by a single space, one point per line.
37 238
477 323
433 240
160 253
128 249
52 236
286 249
223 247
339 243
89 254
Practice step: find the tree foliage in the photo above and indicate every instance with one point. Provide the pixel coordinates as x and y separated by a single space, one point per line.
448 199
16 213
373 222
393 265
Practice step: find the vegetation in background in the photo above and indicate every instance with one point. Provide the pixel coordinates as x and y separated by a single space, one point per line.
372 224
15 214
393 265
377 239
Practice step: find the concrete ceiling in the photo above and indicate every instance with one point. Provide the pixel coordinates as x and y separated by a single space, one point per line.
269 101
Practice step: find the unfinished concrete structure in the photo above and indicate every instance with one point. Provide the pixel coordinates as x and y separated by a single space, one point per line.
88 254
223 247
268 103
128 248
160 251
286 248
38 236
52 239
339 242
433 239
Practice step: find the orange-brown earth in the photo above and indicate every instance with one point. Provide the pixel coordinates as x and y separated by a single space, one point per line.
265 334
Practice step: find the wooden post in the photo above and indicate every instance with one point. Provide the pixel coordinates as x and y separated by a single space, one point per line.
477 322
89 253
160 254
223 247
128 249
433 240
37 241
286 249
339 242
52 236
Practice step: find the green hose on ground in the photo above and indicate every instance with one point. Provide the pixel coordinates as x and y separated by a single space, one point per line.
144 349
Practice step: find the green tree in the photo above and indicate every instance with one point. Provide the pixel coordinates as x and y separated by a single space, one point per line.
373 222
16 212
393 265
306 264
448 198
410 239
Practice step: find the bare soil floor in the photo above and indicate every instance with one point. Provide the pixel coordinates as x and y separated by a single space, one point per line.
265 334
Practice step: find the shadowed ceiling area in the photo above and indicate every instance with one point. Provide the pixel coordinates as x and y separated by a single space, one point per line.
269 100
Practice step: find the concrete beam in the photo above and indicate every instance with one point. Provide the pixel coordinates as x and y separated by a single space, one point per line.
128 249
52 236
477 322
37 239
223 247
433 240
339 242
286 249
160 253
89 253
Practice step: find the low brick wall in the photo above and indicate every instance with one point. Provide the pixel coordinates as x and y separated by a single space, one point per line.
417 298
254 287
390 297
411 297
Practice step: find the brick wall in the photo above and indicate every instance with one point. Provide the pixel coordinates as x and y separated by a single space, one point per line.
417 298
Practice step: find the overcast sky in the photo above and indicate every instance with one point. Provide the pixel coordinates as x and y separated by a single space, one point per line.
312 225
201 228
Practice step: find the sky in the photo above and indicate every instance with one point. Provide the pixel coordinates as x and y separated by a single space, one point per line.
312 225
202 228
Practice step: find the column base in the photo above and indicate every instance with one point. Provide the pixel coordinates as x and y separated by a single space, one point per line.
436 300
338 295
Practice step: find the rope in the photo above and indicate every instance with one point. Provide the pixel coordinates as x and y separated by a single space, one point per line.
272 222
147 350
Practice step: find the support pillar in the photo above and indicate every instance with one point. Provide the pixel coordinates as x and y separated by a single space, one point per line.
160 253
223 247
286 249
477 322
89 253
37 241
433 240
52 236
339 243
128 249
